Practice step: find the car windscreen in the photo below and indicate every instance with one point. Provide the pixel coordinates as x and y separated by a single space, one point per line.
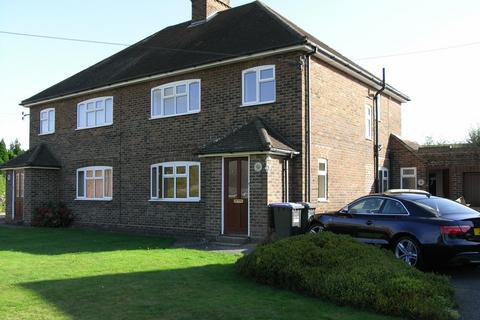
443 207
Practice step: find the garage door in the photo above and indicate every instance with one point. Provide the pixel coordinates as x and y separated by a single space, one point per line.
471 188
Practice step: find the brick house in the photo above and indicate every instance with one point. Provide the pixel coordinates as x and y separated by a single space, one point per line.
197 128
450 171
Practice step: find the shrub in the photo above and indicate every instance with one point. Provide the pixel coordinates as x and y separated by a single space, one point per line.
339 269
53 216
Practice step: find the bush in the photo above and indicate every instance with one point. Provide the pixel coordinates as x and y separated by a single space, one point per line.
339 269
53 216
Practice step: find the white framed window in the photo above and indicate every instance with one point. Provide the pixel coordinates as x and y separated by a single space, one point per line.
322 179
368 122
378 104
258 85
175 181
96 112
47 121
176 98
383 179
95 183
408 178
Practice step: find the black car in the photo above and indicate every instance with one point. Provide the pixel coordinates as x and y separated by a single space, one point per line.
420 229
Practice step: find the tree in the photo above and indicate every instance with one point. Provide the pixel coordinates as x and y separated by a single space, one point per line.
15 149
3 152
474 136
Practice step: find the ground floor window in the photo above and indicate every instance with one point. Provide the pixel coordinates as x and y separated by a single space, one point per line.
94 183
322 179
408 178
175 181
383 181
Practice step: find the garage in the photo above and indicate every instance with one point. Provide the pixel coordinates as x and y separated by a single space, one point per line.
471 188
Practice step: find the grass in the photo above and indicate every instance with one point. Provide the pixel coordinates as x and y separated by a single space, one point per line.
74 274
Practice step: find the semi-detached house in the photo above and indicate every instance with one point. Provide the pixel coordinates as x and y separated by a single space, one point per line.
197 128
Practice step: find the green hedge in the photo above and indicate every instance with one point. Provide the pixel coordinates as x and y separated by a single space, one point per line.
340 269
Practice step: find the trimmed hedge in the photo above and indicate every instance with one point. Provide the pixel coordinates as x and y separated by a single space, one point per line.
342 270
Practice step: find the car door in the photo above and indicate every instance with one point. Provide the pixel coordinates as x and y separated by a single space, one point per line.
356 219
385 223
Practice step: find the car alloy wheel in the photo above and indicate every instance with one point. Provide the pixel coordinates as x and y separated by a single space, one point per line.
316 229
407 250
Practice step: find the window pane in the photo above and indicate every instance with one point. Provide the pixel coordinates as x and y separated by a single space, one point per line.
182 106
100 117
90 188
250 86
393 207
182 187
266 74
321 166
90 106
168 91
181 89
244 179
408 172
194 92
181 170
108 183
194 180
90 119
322 190
232 179
267 91
43 115
44 126
89 174
51 120
99 104
81 184
408 183
157 95
169 106
98 173
81 116
109 111
98 188
168 170
370 205
153 178
168 185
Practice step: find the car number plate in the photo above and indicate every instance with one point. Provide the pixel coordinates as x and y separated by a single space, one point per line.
476 231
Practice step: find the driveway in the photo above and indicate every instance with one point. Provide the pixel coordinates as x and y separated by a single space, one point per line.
467 284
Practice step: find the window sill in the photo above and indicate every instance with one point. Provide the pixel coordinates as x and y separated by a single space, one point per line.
100 126
251 104
173 115
46 133
174 200
369 139
322 200
92 199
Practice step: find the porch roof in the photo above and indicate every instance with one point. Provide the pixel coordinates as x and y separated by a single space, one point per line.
255 136
36 157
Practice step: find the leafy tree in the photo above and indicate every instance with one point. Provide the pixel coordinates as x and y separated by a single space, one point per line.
15 149
3 152
474 136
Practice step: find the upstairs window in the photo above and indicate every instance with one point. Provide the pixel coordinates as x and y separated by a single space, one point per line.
96 112
368 122
175 181
175 99
94 183
258 85
47 121
322 180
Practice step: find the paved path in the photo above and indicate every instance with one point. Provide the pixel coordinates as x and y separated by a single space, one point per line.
467 284
214 247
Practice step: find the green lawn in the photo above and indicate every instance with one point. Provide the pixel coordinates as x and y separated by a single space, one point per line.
73 274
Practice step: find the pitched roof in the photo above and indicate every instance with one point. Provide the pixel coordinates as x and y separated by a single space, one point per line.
39 157
254 136
237 32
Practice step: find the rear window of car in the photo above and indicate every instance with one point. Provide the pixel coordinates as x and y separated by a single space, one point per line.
443 207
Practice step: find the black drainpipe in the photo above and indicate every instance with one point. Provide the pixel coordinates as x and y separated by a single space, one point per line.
308 122
377 146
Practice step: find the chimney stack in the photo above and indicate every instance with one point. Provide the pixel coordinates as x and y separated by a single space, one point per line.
202 9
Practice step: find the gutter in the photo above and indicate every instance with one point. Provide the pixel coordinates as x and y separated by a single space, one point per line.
302 47
356 72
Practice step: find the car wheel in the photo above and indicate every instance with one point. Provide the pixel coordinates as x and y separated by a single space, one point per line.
408 250
316 228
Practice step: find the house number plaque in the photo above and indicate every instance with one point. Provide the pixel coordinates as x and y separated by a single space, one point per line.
238 201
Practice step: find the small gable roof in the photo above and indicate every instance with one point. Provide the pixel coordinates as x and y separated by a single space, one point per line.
255 136
37 157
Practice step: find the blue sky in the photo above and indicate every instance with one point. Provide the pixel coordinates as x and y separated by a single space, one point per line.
443 84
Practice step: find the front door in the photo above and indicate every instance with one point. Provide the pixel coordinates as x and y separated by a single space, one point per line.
236 196
19 192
